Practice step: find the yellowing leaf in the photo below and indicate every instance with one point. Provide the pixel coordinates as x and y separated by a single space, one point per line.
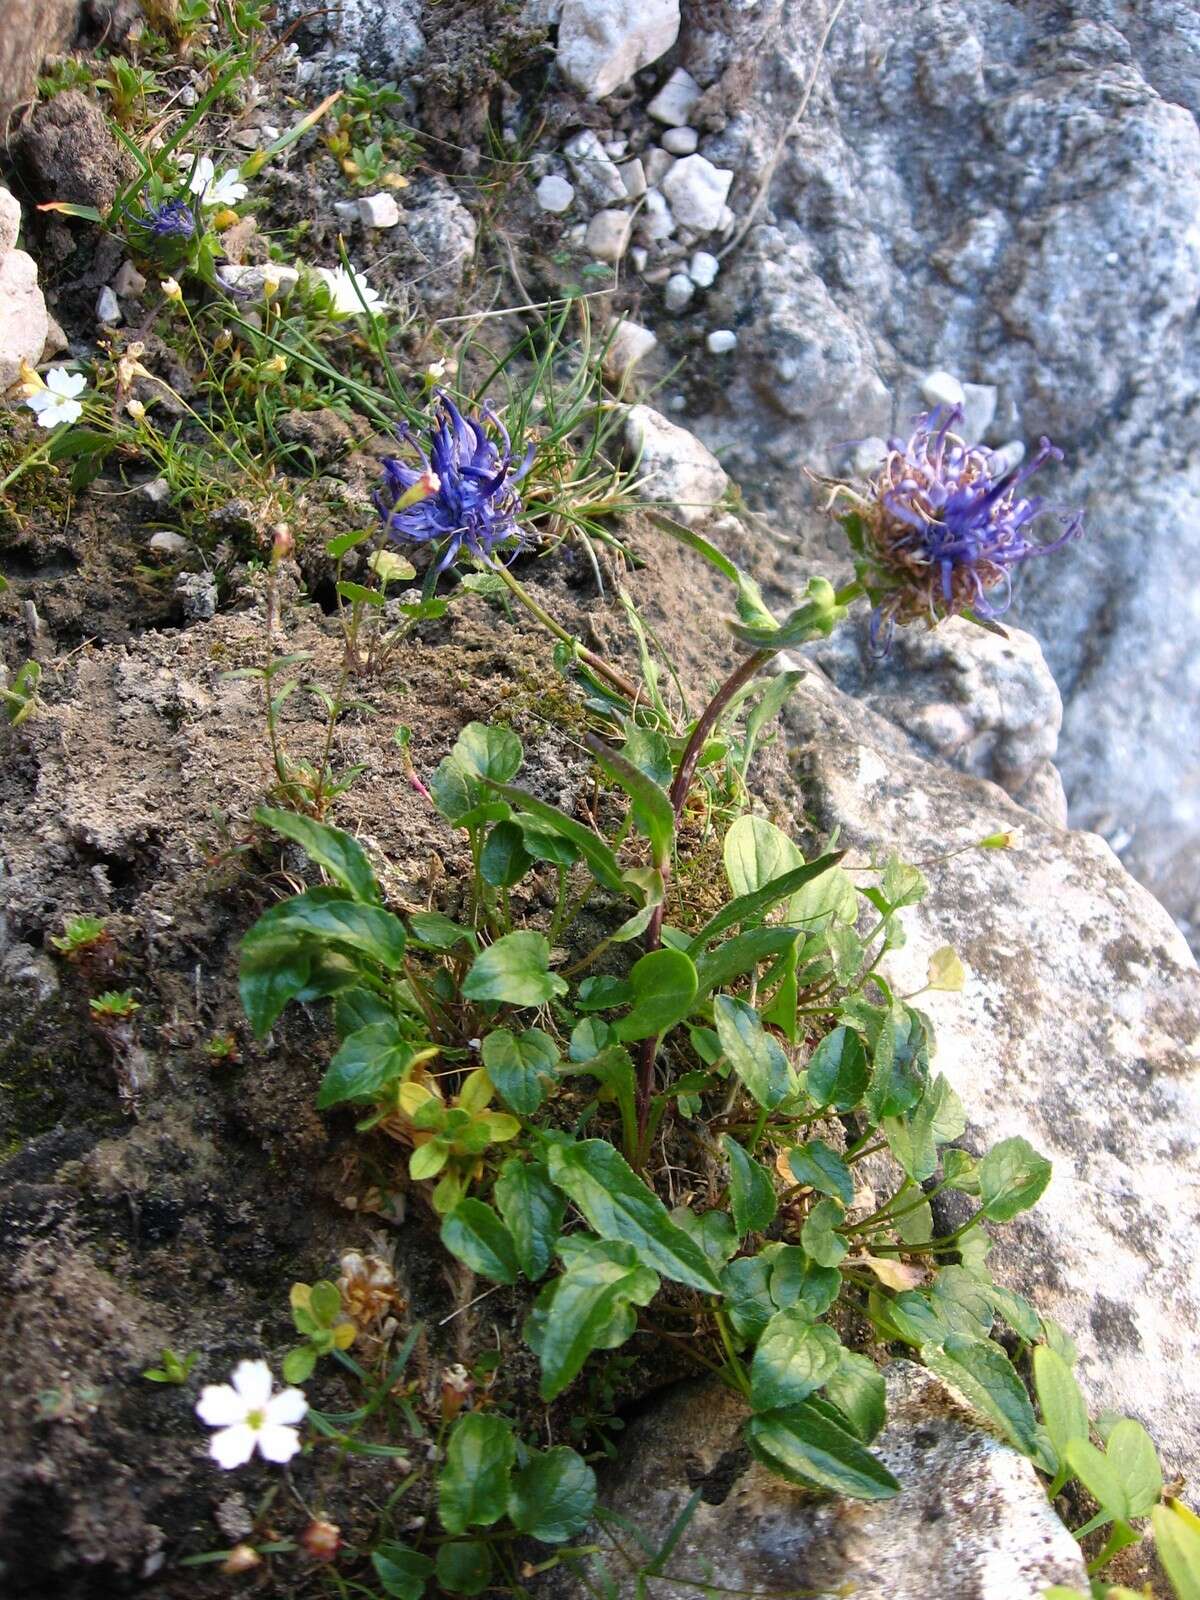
898 1275
946 971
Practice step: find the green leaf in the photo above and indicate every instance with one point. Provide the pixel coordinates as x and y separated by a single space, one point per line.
516 970
473 1483
751 1191
488 753
858 1391
803 1444
734 958
603 993
588 1308
357 1008
795 1356
521 1066
1177 1541
369 1059
984 1375
455 792
269 976
1132 1456
588 1038
464 1567
358 594
299 1364
544 844
756 852
747 1286
552 1498
913 1139
605 867
1012 1177
1099 1477
838 1071
619 1206
340 855
664 991
796 1279
1064 1410
713 1231
817 1165
503 860
899 1066
653 813
327 914
402 1572
436 932
475 1234
818 1237
533 1211
755 1055
826 900
750 907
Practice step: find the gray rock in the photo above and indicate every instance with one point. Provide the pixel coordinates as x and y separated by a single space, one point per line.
676 100
680 141
379 210
1079 1029
382 41
657 163
633 176
674 468
197 595
596 175
602 43
696 191
607 235
23 320
630 344
986 705
255 281
171 546
941 388
32 30
655 221
10 220
972 1521
108 307
441 232
554 194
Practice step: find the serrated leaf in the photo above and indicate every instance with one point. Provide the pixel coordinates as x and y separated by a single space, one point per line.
368 1060
859 1392
913 1139
751 907
533 1210
718 968
664 991
619 1206
475 1234
756 852
802 1444
819 1166
521 1066
751 1192
796 1279
515 970
838 1071
473 1483
754 1054
794 1357
552 1498
713 1231
984 1375
269 976
589 1308
340 855
1012 1178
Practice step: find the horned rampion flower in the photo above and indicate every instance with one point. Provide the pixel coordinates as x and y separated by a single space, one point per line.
464 492
172 219
940 527
249 1416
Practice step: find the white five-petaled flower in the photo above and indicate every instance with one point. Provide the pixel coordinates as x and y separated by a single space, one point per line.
55 401
211 190
247 1414
350 292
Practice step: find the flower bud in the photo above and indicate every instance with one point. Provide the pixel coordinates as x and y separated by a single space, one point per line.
283 544
30 381
456 1390
171 289
223 340
242 1558
253 165
321 1540
999 841
135 409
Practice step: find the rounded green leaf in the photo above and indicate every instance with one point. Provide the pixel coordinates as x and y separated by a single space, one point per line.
402 1572
515 970
475 1234
473 1483
533 1211
552 1498
664 990
751 1191
838 1070
464 1567
756 852
487 752
1012 1177
795 1356
754 1054
521 1066
504 860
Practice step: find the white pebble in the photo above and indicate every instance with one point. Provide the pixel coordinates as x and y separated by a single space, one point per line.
156 491
721 340
942 388
638 257
678 292
128 282
703 269
674 102
655 221
616 148
608 235
630 343
171 545
108 309
868 454
346 212
680 141
379 210
633 176
696 190
657 163
555 194
1009 455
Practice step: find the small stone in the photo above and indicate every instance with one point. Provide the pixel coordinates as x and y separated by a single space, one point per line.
696 191
703 269
602 43
638 257
168 544
596 176
576 235
726 220
254 281
187 96
1008 456
656 163
867 455
629 345
555 194
156 491
197 595
10 220
616 148
655 221
721 340
678 293
379 210
608 235
56 339
128 283
941 388
108 309
247 138
633 176
675 101
979 410
680 141
346 212
674 467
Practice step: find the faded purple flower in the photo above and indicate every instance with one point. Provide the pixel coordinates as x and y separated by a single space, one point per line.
942 525
471 497
173 219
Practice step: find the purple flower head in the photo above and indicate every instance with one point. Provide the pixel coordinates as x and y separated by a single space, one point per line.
173 219
942 524
474 501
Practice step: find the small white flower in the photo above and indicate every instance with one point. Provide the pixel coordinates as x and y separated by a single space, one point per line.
350 292
247 1414
56 402
211 190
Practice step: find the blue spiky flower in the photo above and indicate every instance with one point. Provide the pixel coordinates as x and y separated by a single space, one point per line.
940 527
464 493
172 219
